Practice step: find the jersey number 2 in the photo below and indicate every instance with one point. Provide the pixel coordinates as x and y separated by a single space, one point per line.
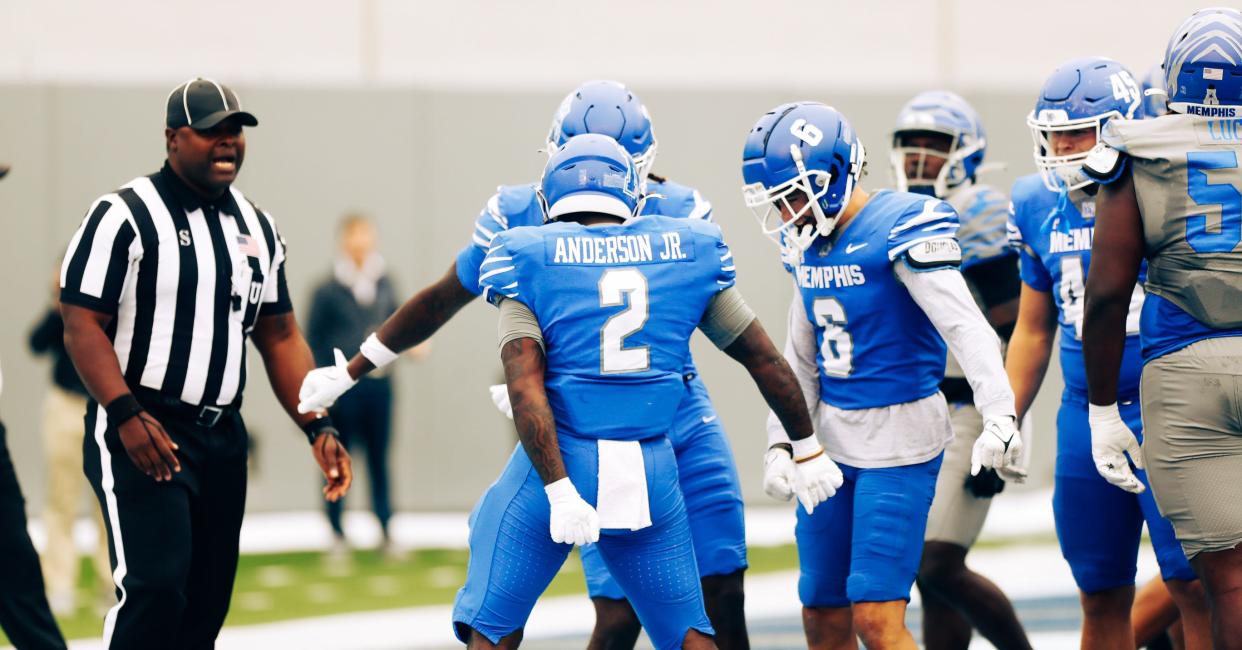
1226 195
837 350
614 286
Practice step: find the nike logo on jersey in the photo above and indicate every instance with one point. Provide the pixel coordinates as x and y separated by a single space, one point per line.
1077 239
853 247
829 277
709 419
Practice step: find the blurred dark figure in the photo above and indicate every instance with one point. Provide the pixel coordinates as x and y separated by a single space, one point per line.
24 613
345 309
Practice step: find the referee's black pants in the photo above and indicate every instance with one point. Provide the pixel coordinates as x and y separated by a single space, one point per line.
173 544
24 613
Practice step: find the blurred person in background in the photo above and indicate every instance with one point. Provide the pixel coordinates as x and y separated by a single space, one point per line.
62 442
24 612
1052 222
345 307
938 148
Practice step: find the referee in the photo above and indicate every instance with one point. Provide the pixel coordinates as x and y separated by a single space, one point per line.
160 288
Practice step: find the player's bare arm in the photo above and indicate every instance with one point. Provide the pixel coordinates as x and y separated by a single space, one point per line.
774 377
287 358
1030 347
524 364
1117 251
420 317
146 442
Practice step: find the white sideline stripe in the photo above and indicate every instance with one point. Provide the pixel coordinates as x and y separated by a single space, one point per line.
108 483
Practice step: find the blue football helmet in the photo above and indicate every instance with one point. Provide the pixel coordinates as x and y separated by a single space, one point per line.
1155 98
1081 94
1203 64
590 173
795 150
945 113
607 108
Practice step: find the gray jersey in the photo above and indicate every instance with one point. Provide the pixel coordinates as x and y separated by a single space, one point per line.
983 212
1189 190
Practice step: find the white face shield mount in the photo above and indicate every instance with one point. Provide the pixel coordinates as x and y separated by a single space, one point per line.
770 205
952 170
1063 172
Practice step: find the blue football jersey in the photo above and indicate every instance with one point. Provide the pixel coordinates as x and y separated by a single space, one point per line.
514 206
617 305
875 345
1053 235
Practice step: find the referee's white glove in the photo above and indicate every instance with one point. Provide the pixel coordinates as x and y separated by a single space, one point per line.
817 476
573 520
1111 438
322 386
500 397
998 447
780 474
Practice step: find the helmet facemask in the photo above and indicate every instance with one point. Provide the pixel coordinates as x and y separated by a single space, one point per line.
1063 172
952 172
769 206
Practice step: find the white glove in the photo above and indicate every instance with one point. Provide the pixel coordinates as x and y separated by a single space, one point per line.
1110 440
574 521
998 447
818 477
1012 474
322 386
500 397
780 474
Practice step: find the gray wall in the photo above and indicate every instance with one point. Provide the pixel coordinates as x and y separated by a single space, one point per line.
423 163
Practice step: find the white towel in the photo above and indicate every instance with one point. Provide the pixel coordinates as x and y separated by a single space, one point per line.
622 501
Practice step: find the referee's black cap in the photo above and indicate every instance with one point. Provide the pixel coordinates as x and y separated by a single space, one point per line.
202 103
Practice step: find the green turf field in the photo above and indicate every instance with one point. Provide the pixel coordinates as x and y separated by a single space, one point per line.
298 585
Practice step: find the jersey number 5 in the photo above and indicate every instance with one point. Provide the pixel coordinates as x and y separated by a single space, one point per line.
837 349
614 286
1229 234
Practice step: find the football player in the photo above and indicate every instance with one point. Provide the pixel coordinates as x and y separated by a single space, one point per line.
938 147
878 291
1172 193
709 477
1052 222
596 314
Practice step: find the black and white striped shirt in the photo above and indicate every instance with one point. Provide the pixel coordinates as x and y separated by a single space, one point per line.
185 280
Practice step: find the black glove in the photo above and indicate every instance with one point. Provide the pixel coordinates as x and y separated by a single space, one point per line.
986 484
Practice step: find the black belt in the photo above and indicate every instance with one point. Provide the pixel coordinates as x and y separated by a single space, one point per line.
203 416
957 390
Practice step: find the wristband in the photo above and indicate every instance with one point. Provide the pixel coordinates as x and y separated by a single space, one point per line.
121 409
806 449
317 426
376 352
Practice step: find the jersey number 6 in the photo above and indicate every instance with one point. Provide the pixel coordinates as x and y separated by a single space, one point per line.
614 286
837 349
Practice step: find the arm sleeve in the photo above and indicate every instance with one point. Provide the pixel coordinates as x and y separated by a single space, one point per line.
1030 269
983 234
726 317
930 221
490 222
517 321
498 277
945 298
800 353
99 257
276 288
